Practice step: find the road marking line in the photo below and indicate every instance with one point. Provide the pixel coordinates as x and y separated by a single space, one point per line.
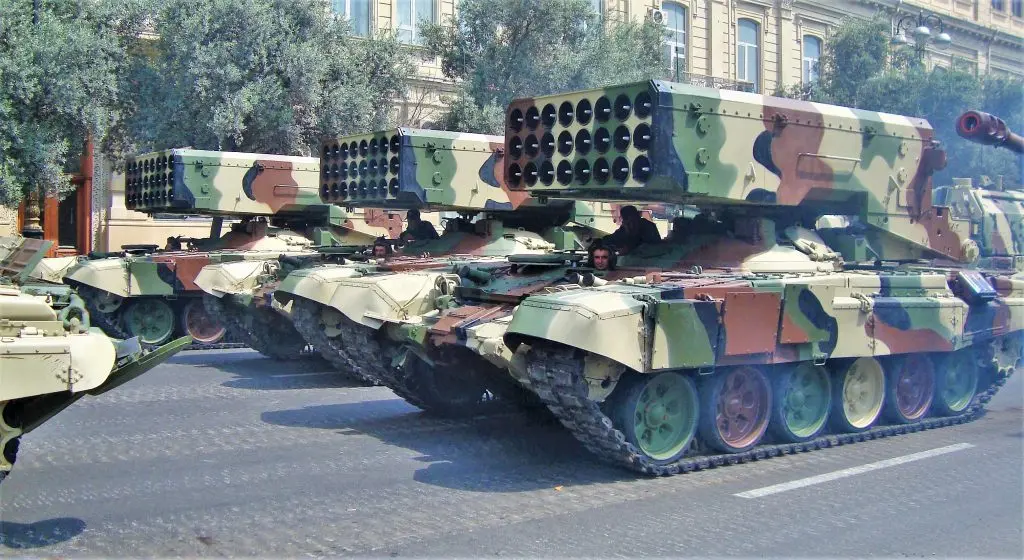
835 475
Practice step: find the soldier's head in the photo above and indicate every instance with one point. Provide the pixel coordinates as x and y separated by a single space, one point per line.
630 216
412 216
600 257
381 248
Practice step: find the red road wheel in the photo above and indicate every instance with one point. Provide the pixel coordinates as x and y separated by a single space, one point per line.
735 408
909 388
199 324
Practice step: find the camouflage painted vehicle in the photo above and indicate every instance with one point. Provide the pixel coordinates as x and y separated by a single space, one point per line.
49 355
151 294
341 308
747 336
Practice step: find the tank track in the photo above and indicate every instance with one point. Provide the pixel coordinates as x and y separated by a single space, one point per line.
556 376
357 364
253 329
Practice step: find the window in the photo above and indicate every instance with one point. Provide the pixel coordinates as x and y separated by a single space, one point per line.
1017 7
410 14
675 37
748 59
812 54
598 7
998 5
357 12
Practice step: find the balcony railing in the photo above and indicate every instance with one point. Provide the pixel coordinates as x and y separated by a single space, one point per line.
710 81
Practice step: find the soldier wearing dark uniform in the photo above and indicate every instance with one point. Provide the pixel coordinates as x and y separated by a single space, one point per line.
417 229
635 230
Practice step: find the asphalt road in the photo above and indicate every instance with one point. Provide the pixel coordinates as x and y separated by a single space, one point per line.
226 453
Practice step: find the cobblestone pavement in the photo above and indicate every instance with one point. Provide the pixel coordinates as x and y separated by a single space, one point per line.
226 453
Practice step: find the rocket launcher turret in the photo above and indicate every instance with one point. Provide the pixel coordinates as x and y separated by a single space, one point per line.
407 168
989 130
189 181
757 155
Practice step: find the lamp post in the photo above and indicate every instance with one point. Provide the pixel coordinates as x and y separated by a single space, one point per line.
31 227
923 24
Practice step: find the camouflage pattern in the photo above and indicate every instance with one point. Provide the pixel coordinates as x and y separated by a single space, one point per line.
51 357
412 168
221 183
667 142
154 294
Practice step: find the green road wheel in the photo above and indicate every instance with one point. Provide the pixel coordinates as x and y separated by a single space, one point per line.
735 408
956 382
198 323
150 319
657 413
910 388
858 391
801 403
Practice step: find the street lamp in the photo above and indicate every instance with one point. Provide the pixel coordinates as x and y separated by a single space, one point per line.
922 32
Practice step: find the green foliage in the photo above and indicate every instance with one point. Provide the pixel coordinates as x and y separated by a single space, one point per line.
268 76
58 85
854 52
860 68
502 50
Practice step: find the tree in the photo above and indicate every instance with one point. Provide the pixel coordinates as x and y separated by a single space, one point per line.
58 85
502 50
268 76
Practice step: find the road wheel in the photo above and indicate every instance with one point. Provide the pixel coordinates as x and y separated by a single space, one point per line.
198 323
956 382
150 319
735 408
803 396
910 388
657 413
858 391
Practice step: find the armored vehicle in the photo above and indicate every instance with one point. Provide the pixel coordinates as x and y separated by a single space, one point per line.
341 309
50 356
746 336
152 294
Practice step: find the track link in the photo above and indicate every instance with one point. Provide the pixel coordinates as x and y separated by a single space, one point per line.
348 355
556 376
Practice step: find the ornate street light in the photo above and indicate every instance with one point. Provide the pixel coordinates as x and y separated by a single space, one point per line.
922 32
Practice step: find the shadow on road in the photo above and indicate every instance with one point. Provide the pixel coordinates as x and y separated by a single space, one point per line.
41 533
252 370
503 452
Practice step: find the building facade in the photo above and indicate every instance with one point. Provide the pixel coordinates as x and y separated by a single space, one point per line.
754 45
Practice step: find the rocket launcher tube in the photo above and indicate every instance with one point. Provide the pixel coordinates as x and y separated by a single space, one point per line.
189 181
668 142
406 168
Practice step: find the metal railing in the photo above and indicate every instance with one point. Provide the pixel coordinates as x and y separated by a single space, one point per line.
710 81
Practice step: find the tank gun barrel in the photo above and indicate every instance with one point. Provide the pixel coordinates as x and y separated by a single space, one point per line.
989 130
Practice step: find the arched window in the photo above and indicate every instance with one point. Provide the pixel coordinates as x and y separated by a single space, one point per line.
357 12
748 56
812 56
410 13
675 37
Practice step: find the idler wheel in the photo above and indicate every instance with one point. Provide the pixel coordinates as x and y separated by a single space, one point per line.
857 394
956 382
803 397
199 324
150 319
735 408
657 413
910 388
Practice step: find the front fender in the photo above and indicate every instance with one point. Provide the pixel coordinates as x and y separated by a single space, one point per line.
230 278
608 323
109 275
